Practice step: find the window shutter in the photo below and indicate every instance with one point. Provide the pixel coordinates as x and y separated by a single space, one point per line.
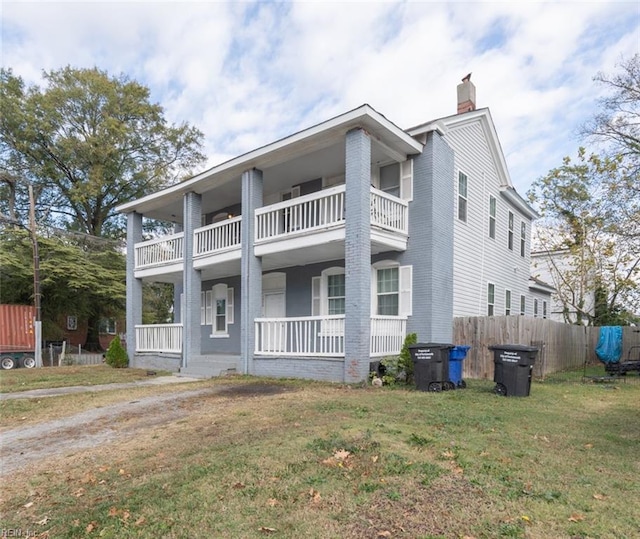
315 296
406 180
203 314
405 276
230 306
208 315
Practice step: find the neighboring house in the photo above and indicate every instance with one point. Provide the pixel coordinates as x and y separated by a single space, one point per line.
316 254
73 329
572 286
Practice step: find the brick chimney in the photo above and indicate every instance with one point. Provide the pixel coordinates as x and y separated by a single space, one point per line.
466 95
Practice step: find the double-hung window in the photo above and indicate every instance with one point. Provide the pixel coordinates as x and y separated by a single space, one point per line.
491 299
510 240
492 217
388 291
217 309
462 196
507 302
523 305
335 294
523 238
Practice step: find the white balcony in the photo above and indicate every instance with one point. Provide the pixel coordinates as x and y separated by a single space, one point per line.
217 243
310 228
161 255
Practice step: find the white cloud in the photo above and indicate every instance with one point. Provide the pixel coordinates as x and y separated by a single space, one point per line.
249 73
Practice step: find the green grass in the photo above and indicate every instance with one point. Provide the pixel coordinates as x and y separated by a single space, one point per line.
325 461
50 377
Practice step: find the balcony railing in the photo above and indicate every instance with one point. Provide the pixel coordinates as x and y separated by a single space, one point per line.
306 213
159 338
389 212
165 250
218 237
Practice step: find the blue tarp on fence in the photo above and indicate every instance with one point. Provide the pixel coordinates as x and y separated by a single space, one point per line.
609 349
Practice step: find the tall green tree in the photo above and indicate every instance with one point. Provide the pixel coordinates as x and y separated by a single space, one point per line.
590 238
87 142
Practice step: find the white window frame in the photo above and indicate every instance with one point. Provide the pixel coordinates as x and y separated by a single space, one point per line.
493 211
544 309
491 299
405 178
535 308
405 287
462 197
511 226
523 305
110 326
523 238
507 302
221 291
72 323
320 291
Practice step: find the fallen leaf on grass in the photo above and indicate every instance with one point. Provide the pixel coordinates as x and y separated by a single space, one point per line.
239 484
588 446
341 455
272 502
27 505
374 459
113 512
91 526
265 529
599 496
525 518
140 521
43 521
448 454
384 533
576 518
78 493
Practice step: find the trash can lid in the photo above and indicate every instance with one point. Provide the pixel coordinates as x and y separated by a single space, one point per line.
431 345
513 347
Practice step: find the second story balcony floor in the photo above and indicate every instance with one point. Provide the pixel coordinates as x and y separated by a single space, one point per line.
309 227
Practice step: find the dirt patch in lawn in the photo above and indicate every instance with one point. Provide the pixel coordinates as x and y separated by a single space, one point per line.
34 445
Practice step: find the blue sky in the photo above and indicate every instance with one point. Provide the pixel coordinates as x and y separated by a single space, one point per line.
249 73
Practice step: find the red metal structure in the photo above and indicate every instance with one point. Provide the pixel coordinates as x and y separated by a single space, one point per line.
17 336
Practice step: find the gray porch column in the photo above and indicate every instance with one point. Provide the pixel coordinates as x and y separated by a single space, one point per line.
134 286
191 282
251 267
357 256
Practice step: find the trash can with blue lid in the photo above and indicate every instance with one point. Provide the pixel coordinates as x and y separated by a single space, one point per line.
431 366
513 369
456 357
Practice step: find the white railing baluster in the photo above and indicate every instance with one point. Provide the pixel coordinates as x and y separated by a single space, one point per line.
218 237
164 250
389 212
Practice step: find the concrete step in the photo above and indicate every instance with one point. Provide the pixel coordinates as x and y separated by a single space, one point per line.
209 369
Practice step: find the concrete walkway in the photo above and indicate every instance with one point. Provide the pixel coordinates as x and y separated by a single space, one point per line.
56 391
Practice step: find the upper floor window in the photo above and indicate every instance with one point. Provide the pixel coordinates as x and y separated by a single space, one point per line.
510 240
492 217
491 299
523 305
462 196
507 302
523 238
390 179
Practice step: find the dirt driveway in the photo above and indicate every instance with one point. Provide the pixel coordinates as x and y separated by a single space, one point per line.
26 446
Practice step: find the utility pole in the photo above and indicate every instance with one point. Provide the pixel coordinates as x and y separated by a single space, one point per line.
36 278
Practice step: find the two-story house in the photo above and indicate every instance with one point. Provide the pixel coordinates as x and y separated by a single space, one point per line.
316 254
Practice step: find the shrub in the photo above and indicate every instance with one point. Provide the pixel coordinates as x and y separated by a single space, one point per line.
116 355
405 362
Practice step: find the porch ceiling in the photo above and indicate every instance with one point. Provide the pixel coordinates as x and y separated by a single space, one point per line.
313 153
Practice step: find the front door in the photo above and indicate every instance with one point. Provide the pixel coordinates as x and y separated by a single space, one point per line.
274 337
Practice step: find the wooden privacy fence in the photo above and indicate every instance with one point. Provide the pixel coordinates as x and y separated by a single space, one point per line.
560 346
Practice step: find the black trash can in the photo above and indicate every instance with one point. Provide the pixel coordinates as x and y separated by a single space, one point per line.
431 366
513 368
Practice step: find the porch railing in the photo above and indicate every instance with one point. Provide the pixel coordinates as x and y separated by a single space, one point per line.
320 336
387 335
309 212
323 336
217 237
167 249
159 338
389 212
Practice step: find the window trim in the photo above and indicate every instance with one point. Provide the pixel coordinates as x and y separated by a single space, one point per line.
72 322
511 223
535 307
507 302
523 305
221 291
491 299
523 238
493 211
464 197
